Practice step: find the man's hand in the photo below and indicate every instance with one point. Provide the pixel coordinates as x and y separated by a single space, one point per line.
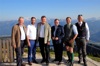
53 38
63 42
29 44
56 38
14 46
71 41
87 40
48 42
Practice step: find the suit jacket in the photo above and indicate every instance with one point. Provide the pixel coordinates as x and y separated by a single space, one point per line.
59 33
47 32
16 35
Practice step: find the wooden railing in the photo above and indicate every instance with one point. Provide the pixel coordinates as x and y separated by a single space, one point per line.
6 50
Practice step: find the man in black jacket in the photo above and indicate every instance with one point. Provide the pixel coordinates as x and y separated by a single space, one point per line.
57 35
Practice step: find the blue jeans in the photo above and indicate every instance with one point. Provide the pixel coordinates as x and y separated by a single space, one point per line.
32 51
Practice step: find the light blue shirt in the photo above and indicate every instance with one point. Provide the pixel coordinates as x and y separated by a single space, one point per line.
42 31
75 29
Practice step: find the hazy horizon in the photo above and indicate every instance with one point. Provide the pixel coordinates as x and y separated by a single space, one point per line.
12 9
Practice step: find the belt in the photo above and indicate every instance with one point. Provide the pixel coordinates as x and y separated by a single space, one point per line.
80 37
32 39
41 37
22 40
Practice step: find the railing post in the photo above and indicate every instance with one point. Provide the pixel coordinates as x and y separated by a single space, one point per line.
6 50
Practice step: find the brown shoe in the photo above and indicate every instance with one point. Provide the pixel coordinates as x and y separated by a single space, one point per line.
30 63
22 64
59 63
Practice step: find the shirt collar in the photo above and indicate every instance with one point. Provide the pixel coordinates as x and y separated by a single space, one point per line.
32 24
80 22
69 24
20 25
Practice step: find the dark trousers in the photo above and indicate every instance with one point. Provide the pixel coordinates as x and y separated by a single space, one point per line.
32 51
44 48
58 49
19 53
81 47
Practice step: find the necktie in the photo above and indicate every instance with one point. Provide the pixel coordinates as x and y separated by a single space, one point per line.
68 25
55 31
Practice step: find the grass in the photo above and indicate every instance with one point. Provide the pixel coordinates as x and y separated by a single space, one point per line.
51 52
94 58
65 54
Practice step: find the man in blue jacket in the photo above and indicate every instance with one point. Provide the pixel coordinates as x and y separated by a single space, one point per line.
57 34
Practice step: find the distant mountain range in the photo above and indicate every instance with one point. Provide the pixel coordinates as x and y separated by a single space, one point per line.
94 25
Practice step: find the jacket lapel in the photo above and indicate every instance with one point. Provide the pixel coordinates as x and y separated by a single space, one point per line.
45 27
39 28
19 30
57 30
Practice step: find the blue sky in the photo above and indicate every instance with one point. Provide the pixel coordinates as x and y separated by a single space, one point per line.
12 9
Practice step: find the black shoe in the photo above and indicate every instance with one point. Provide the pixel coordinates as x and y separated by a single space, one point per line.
59 63
54 60
71 64
79 62
43 61
47 63
68 61
85 64
35 62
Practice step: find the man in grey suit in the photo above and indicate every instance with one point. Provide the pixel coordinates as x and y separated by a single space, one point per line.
44 37
82 39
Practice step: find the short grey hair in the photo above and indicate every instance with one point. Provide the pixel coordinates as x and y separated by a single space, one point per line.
20 18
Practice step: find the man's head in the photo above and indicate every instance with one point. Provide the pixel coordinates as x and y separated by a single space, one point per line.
68 20
33 20
56 22
21 20
80 18
43 19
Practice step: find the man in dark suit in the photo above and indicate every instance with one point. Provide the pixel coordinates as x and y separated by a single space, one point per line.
57 35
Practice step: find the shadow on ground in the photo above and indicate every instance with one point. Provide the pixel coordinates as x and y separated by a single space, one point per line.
64 63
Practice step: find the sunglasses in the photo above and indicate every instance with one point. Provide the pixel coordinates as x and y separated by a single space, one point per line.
80 15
